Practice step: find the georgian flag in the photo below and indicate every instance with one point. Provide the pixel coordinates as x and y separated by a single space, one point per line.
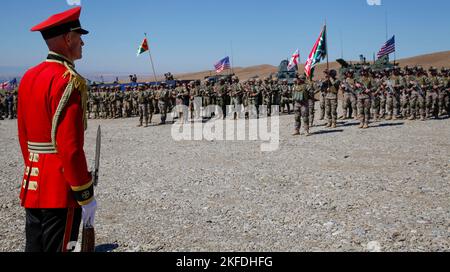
294 60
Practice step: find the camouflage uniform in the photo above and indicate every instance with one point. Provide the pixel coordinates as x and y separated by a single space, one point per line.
349 101
285 97
363 90
331 86
311 101
267 96
444 94
376 98
236 93
276 95
300 96
163 102
143 106
221 91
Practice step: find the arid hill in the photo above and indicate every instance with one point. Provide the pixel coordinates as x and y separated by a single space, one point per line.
439 60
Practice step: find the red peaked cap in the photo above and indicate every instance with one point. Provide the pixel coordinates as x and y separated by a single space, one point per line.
61 23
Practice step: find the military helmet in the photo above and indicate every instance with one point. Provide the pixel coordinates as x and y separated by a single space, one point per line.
332 73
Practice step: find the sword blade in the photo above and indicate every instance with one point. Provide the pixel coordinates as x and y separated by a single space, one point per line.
97 155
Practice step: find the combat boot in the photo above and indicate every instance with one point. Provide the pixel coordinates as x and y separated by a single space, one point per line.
333 125
365 126
296 132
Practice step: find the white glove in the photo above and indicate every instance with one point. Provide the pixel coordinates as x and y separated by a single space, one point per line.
88 213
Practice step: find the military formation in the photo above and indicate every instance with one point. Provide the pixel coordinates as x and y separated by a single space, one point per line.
367 95
394 93
8 105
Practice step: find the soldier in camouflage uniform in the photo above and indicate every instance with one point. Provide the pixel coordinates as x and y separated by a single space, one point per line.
196 101
393 86
104 103
90 101
364 88
163 102
2 106
440 84
221 91
349 100
276 94
383 93
444 93
300 96
285 97
119 102
431 85
376 95
267 95
311 87
205 93
236 93
331 86
143 106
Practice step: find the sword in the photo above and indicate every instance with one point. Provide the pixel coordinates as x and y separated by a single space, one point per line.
88 235
97 155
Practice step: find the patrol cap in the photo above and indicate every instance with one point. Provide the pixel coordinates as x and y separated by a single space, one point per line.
61 23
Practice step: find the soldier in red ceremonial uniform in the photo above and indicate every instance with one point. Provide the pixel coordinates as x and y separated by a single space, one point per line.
57 188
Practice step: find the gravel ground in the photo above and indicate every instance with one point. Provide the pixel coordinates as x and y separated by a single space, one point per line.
382 189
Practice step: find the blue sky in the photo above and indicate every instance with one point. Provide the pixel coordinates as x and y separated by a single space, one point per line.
188 36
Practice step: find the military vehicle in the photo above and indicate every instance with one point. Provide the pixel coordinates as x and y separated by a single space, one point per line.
216 78
284 73
378 65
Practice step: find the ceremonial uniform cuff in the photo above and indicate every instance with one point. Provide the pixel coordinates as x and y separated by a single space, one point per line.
84 194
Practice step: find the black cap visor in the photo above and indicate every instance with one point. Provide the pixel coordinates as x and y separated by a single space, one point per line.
62 29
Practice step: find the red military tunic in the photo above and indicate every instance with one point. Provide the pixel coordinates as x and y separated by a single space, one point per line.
51 124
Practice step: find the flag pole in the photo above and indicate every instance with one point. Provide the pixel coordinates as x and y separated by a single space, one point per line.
232 57
326 44
151 60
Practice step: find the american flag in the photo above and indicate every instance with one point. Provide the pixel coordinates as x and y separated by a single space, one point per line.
388 48
222 64
8 85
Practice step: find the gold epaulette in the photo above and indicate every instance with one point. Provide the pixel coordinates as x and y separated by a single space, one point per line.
76 82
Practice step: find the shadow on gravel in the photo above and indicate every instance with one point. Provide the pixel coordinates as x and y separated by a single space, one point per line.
327 131
390 125
348 124
106 247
